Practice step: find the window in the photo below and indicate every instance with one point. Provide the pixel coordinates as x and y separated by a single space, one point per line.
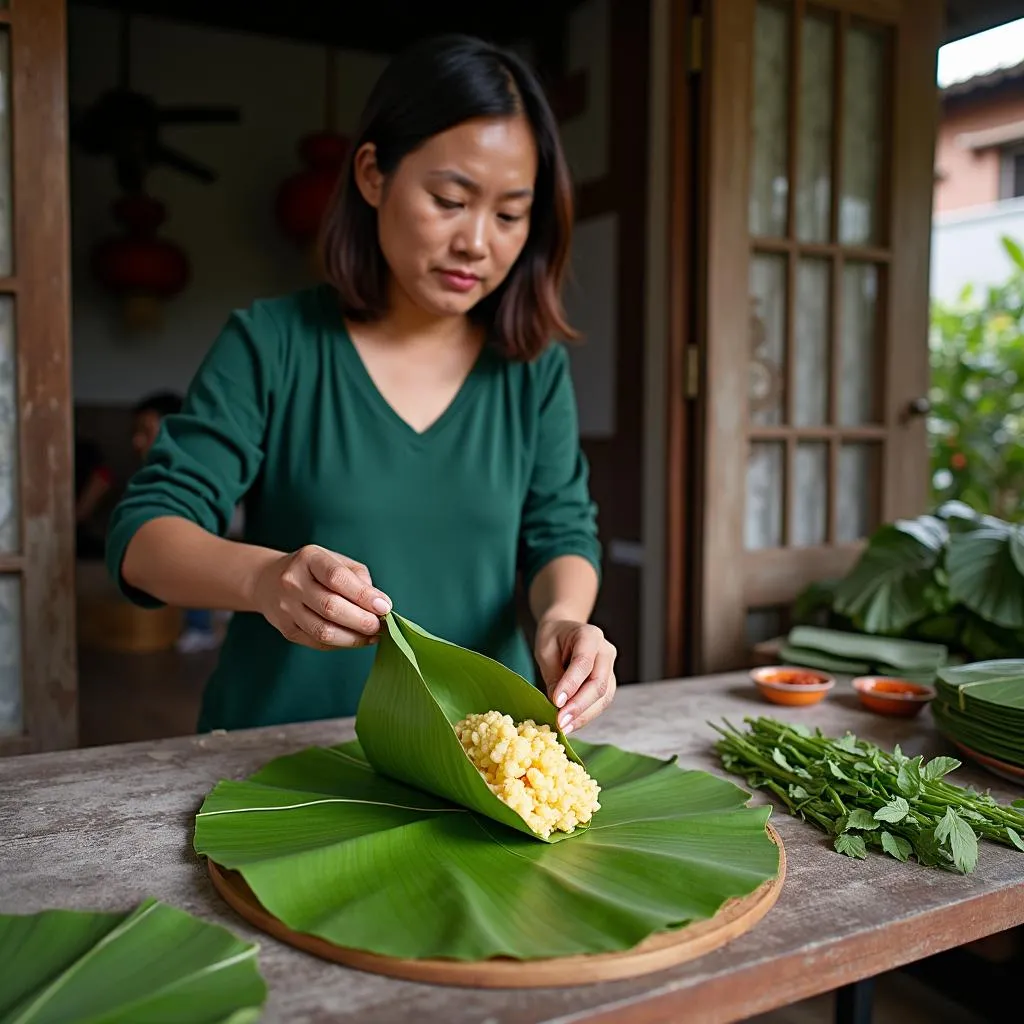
1011 176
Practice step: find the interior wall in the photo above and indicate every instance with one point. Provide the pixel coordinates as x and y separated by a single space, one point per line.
227 228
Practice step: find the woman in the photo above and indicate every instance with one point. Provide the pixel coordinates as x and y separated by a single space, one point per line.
404 435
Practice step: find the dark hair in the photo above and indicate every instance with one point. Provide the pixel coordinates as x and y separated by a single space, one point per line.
431 87
163 403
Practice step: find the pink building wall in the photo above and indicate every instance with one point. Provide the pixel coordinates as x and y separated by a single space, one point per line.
971 177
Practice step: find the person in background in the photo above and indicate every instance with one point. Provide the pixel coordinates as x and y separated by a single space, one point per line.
147 417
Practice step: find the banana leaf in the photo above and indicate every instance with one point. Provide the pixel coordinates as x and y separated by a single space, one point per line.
899 655
151 966
985 573
982 706
981 737
419 688
335 849
810 658
892 585
993 686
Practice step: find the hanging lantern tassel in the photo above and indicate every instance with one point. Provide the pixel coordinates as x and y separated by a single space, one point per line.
143 271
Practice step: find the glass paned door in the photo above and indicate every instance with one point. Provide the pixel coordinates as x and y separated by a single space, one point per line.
812 211
808 450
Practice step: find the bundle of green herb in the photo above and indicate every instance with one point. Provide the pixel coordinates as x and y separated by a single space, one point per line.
866 797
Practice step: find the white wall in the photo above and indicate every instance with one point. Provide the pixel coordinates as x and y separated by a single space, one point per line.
967 247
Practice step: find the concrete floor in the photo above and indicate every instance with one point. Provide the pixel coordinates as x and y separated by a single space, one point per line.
128 697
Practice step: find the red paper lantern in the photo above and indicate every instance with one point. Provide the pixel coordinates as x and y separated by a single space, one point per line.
139 268
302 199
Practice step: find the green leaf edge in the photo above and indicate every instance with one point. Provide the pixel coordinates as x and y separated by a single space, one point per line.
25 1012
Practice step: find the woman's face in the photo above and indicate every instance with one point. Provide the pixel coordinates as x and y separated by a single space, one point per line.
455 214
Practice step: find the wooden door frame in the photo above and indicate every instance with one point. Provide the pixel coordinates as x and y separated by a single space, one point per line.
705 602
686 225
42 296
616 462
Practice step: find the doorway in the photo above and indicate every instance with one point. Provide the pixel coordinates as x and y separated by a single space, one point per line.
229 233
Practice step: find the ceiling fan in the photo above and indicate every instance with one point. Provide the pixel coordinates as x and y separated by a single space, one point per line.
125 125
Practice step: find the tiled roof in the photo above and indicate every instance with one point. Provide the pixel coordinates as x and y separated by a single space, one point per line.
1000 76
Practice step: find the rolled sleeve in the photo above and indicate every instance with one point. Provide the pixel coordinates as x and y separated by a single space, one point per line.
559 516
206 456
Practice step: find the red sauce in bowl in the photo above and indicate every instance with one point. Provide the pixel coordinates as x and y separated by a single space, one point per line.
792 677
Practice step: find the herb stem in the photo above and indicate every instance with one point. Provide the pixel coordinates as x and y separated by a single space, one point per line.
840 785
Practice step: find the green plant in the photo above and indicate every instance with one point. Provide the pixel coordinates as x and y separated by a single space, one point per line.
954 578
976 424
866 797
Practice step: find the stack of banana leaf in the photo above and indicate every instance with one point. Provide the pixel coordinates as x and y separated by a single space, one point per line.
856 654
981 707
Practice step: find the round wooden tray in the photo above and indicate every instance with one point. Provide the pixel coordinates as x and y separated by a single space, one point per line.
666 949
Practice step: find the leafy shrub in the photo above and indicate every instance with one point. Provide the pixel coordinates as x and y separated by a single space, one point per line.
955 577
976 424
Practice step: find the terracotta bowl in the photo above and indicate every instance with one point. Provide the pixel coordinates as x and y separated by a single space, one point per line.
889 696
794 687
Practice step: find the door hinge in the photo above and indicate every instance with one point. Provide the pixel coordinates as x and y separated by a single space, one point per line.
691 383
696 43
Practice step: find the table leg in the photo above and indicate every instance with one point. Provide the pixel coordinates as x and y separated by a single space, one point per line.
854 1003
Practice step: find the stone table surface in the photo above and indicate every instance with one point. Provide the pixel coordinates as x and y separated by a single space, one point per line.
103 827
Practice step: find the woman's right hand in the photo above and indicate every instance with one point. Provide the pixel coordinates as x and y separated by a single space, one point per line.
320 599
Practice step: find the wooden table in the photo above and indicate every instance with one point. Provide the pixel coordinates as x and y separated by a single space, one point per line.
101 828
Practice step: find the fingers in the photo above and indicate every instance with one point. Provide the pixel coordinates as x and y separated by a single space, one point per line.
594 696
549 661
349 579
311 630
580 666
334 608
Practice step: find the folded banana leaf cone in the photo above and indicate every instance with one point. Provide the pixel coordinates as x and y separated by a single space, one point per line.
981 705
397 844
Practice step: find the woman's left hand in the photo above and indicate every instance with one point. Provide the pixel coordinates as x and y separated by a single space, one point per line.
577 664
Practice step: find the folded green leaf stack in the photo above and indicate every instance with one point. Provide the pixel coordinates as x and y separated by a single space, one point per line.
395 845
981 706
834 650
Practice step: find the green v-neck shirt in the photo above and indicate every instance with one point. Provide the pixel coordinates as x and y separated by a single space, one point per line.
283 414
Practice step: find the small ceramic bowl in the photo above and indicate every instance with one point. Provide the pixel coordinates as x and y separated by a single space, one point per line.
794 687
889 696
